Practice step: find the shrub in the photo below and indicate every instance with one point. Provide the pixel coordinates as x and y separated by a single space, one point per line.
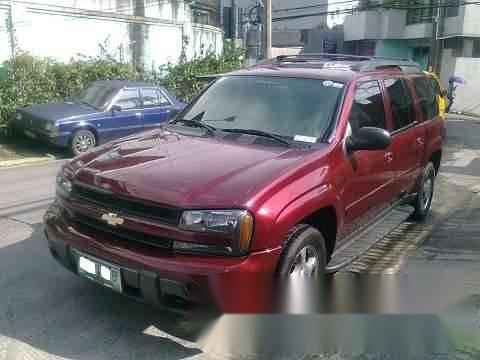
28 80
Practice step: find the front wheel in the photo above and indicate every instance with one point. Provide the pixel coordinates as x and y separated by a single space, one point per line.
425 194
82 141
304 253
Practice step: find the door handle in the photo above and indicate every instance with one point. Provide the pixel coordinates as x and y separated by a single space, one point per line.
388 157
420 141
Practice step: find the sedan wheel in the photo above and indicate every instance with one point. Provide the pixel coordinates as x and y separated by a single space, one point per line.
82 141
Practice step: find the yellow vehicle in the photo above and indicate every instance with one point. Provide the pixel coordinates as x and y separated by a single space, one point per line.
439 92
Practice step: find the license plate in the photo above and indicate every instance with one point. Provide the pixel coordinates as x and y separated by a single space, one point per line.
30 134
99 271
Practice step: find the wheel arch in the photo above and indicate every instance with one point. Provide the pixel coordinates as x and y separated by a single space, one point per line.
324 220
88 127
319 208
436 159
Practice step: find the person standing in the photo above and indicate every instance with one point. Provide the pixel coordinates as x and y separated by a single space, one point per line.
450 93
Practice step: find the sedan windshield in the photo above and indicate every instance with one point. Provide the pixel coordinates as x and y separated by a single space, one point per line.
294 108
95 95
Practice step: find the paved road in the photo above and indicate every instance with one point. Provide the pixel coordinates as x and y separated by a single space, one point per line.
46 312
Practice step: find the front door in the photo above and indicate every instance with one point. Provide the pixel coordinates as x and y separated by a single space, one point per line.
127 120
369 175
156 107
408 135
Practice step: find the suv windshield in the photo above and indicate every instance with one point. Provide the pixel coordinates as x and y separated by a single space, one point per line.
294 108
94 95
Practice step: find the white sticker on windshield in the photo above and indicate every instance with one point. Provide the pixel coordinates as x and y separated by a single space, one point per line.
337 85
327 83
302 138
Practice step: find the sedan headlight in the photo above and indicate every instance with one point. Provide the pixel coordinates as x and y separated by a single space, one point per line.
232 224
18 116
64 185
49 125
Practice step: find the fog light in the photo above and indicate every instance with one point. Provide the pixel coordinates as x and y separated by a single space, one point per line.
213 249
105 273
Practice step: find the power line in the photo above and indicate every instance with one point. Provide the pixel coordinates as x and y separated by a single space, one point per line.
315 6
373 7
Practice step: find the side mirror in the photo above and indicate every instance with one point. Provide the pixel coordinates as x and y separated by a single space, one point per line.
172 113
368 138
116 108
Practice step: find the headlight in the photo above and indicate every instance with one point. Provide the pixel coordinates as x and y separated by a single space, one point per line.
64 186
19 116
232 224
49 126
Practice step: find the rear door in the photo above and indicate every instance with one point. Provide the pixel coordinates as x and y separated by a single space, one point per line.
128 120
369 175
408 135
156 107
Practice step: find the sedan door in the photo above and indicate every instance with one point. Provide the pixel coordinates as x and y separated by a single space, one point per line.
369 175
126 116
156 107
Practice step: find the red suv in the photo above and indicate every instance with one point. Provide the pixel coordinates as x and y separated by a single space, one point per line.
293 167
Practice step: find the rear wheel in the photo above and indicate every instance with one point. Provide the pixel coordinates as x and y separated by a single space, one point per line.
424 199
82 141
304 253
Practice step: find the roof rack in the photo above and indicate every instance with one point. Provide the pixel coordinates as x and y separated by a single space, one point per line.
352 62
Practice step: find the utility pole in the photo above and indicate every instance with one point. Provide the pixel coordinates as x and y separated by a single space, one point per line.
11 30
435 55
267 28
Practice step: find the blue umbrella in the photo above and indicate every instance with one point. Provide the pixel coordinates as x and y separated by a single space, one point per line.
457 79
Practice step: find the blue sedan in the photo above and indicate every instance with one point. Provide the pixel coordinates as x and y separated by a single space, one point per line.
102 111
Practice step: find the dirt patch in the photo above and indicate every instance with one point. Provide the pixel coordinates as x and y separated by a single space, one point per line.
22 148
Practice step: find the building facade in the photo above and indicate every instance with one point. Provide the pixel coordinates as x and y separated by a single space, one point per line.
410 33
144 32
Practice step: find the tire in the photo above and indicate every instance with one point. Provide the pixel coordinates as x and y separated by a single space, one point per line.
303 240
81 142
423 201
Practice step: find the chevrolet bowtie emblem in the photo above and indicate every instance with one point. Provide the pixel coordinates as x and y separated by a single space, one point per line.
112 219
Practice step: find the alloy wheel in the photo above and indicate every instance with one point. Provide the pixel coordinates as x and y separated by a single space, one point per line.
306 262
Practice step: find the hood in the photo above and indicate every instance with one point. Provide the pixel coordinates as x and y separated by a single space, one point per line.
59 111
182 171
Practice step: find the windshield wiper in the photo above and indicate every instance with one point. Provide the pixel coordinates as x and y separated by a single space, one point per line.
85 103
195 123
265 134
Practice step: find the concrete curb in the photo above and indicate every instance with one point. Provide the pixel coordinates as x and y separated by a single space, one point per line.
25 161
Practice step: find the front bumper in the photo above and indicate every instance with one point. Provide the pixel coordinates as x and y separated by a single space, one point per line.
34 133
165 279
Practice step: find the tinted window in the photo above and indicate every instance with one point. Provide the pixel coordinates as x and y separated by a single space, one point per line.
400 103
129 99
94 94
367 107
163 100
436 87
426 98
150 98
280 105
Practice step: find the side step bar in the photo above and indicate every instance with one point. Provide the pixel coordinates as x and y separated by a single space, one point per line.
358 243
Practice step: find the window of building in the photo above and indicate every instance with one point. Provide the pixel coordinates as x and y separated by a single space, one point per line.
452 8
400 103
420 11
367 108
476 49
456 44
129 99
426 97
